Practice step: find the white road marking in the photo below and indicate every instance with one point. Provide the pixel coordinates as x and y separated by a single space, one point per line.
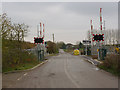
68 74
19 78
31 69
25 74
96 69
22 76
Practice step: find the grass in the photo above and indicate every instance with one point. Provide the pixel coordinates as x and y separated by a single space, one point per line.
24 66
68 50
110 64
21 67
111 70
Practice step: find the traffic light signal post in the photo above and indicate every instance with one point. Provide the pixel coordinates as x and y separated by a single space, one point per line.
98 38
40 43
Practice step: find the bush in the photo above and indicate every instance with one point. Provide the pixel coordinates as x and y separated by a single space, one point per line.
82 51
111 61
111 64
52 47
13 55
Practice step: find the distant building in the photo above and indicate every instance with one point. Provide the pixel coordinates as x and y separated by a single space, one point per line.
69 46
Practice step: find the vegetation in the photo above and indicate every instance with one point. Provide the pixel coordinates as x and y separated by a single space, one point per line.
14 55
111 64
81 48
70 47
68 50
27 61
61 45
52 48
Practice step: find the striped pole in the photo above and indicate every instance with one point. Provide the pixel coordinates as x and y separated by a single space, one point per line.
100 18
91 32
43 32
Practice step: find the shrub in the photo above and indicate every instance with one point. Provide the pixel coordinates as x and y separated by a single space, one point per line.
52 47
112 64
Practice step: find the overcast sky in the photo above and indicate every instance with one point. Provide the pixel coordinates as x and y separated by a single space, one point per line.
69 21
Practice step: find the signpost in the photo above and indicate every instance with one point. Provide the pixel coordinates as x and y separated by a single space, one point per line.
86 42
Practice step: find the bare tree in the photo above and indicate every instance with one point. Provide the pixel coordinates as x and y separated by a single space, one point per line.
12 31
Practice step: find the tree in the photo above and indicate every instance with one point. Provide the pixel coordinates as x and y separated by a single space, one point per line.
12 35
12 31
61 45
6 26
52 47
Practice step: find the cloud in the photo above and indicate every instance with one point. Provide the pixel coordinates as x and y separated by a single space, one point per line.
92 8
69 21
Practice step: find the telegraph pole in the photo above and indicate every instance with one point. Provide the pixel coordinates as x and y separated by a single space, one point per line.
104 24
91 36
53 37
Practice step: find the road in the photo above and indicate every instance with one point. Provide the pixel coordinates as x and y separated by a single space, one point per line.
62 71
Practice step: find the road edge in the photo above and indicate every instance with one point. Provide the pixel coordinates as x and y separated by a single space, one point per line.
99 62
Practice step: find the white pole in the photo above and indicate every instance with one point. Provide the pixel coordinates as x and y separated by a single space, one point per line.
38 30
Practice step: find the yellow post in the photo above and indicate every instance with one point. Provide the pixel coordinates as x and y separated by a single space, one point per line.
97 50
117 49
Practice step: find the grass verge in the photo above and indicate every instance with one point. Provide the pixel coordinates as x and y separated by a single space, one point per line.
24 66
68 51
111 70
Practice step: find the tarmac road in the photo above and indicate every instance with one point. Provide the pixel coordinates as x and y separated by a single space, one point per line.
62 71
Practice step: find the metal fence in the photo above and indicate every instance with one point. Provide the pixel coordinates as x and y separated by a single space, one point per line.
110 49
39 51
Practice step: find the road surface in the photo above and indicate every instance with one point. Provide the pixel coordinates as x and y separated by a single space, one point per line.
62 71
